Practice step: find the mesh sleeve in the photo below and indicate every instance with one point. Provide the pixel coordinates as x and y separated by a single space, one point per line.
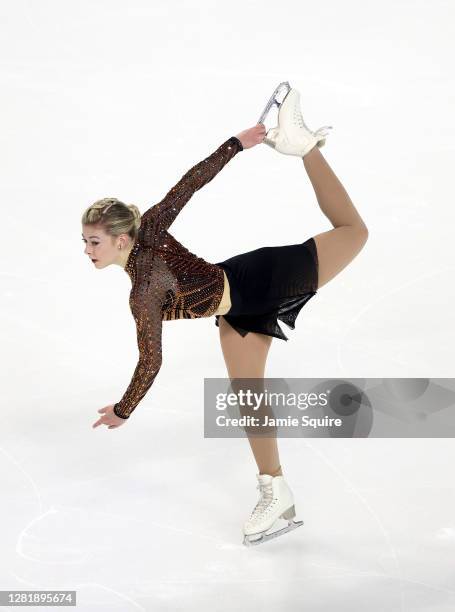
146 309
161 215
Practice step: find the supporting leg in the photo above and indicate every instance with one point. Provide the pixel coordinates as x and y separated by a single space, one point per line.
246 358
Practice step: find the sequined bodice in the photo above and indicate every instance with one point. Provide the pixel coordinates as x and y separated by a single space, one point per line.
168 281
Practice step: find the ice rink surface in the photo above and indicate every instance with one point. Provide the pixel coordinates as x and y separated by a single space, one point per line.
121 99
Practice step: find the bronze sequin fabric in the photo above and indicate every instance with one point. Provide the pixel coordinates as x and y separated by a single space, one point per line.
169 282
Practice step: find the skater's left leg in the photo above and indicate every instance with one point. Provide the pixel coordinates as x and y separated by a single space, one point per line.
245 357
336 248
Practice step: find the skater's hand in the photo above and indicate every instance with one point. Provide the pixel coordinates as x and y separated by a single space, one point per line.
109 418
253 136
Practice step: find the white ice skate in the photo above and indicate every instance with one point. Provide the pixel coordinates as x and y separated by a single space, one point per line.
292 136
275 502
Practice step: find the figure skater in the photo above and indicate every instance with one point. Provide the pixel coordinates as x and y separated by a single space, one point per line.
247 293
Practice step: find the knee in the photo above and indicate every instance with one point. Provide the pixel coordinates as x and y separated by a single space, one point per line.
362 232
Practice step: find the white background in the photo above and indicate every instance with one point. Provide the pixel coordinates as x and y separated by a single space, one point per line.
109 98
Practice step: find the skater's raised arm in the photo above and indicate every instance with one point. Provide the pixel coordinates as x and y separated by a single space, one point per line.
146 304
161 215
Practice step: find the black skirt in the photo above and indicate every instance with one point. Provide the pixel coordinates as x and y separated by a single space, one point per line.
268 284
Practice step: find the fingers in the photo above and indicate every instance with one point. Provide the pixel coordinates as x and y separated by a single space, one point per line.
105 421
101 421
262 131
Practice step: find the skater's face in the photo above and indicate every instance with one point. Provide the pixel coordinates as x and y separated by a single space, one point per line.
102 248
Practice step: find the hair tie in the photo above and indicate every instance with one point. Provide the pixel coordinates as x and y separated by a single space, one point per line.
107 208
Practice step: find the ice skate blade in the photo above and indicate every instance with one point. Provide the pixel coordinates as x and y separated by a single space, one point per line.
273 100
253 540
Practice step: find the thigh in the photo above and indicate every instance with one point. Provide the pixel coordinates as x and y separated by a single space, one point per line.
336 249
245 357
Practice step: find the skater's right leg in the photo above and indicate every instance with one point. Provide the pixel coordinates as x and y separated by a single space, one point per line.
246 358
338 247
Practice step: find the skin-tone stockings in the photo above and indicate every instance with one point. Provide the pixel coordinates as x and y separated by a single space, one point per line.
246 357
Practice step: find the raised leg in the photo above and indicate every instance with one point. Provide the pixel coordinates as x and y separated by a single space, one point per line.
245 357
337 247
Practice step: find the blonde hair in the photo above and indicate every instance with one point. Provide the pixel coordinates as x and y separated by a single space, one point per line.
114 216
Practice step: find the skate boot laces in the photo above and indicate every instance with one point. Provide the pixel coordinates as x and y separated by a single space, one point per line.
298 120
266 498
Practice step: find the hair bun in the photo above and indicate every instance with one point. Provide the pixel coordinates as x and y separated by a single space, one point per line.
117 220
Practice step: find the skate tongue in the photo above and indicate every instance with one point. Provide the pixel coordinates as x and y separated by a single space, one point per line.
264 478
323 131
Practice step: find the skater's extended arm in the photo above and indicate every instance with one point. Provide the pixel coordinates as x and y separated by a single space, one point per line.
161 215
146 306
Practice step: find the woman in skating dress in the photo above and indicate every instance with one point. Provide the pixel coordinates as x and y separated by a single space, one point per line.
247 293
